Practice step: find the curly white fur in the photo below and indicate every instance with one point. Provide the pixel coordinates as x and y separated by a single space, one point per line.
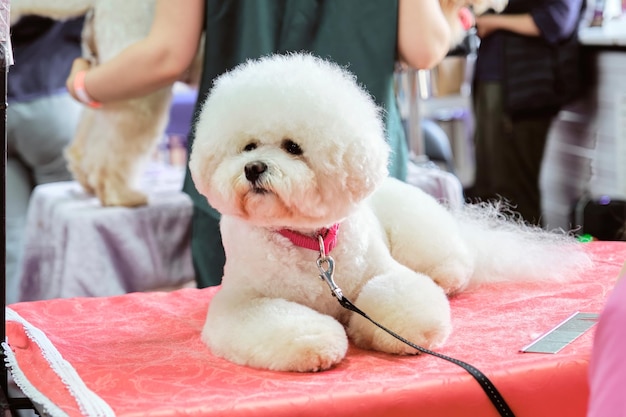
293 142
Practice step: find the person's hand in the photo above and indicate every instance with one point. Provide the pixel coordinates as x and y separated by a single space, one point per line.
75 83
486 25
79 64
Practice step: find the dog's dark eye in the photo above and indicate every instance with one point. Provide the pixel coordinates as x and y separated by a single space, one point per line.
291 147
250 146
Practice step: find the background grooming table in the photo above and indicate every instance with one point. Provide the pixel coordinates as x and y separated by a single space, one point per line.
140 354
75 247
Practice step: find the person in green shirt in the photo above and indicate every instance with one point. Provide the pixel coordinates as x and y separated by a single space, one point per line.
369 38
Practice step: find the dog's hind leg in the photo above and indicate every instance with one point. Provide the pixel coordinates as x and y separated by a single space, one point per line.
99 166
423 235
75 151
124 135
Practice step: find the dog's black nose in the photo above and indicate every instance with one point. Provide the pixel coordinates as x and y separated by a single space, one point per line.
254 170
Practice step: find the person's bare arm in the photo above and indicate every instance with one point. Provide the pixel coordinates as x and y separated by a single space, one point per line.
522 24
424 35
151 63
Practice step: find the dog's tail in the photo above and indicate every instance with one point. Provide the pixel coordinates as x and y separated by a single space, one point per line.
510 250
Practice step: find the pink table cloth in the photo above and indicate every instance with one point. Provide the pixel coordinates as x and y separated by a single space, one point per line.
140 354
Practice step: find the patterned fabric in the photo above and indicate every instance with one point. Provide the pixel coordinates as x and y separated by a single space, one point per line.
140 354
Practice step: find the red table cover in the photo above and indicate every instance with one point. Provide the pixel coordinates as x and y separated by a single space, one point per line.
140 355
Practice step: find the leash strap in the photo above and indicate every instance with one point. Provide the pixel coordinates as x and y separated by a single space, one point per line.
326 266
494 395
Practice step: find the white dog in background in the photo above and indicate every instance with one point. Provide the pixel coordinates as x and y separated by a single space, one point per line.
290 148
111 143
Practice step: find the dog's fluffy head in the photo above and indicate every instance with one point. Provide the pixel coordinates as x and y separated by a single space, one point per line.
288 141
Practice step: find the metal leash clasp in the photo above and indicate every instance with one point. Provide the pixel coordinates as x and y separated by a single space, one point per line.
326 266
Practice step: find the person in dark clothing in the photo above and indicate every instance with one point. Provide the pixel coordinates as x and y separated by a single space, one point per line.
527 69
368 37
41 120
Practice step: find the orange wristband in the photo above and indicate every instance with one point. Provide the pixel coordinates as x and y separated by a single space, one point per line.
81 93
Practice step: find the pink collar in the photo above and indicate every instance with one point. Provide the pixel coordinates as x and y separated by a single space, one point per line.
328 234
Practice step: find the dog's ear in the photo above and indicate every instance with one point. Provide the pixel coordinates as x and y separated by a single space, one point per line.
198 167
203 159
367 164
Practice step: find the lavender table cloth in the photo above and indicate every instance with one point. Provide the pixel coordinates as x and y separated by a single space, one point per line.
75 247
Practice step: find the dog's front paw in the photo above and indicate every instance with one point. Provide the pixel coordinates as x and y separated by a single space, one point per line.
407 303
273 334
313 348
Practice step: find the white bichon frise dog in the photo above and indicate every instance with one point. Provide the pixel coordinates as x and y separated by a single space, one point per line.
292 152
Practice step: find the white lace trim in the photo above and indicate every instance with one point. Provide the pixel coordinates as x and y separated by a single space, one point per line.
90 403
48 407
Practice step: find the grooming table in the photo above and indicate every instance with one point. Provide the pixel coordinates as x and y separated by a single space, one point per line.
140 354
75 247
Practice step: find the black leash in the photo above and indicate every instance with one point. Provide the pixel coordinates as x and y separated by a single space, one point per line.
326 264
492 392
